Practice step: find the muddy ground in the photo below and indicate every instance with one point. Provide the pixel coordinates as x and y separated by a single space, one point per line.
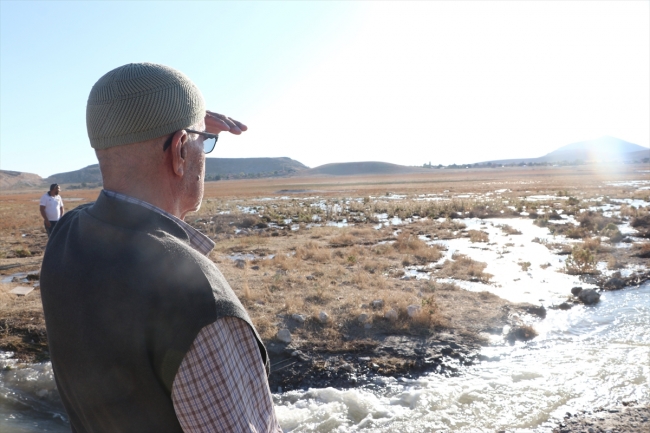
629 417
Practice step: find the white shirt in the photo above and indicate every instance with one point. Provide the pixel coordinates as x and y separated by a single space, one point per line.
52 205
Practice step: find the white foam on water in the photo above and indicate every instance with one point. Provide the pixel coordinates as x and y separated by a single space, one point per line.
582 359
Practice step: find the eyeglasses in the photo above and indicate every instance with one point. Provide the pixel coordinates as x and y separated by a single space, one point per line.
209 141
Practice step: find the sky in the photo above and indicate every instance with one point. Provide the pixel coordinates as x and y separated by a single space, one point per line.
322 82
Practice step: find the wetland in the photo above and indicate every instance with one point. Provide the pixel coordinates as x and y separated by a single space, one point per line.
429 302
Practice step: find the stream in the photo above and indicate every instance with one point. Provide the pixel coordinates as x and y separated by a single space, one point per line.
582 359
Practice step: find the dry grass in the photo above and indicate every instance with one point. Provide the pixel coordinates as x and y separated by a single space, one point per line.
22 325
462 267
416 250
478 236
642 250
525 266
341 271
509 230
521 333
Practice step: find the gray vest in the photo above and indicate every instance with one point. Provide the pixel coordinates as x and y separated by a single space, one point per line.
124 297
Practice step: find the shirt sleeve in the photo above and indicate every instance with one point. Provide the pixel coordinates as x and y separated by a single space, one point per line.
43 201
221 384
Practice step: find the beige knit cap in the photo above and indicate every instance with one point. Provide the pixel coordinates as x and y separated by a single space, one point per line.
141 101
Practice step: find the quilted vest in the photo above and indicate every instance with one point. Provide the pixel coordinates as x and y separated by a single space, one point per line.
124 296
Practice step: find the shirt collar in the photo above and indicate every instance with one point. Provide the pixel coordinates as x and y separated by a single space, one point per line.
198 240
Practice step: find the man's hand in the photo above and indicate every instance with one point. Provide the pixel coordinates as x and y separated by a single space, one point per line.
216 123
41 208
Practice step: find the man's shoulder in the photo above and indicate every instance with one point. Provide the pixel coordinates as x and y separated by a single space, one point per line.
44 198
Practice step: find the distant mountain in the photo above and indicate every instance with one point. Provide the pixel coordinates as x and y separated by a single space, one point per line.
603 149
362 168
247 167
215 168
90 174
20 180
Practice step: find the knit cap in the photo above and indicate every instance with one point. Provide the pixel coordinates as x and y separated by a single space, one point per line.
141 101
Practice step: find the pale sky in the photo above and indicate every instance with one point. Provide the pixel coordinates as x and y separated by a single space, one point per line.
322 82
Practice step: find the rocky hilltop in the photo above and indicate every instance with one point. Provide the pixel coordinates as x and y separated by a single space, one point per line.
19 180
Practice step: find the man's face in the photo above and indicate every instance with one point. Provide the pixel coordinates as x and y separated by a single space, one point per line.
55 190
193 181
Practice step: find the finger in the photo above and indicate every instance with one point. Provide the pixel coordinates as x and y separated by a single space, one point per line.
240 125
235 127
232 127
215 125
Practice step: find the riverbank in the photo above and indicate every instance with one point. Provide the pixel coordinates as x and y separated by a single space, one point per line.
630 417
352 360
466 321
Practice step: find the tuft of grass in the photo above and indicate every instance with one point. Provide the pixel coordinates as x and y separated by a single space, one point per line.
22 252
462 267
521 333
478 236
417 251
642 250
524 266
612 232
509 230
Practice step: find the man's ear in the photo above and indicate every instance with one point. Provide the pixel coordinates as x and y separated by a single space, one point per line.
179 152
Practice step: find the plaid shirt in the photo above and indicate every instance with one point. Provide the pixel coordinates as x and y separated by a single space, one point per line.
221 385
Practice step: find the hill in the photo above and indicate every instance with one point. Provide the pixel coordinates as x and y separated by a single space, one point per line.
19 180
603 149
251 167
90 174
215 168
361 168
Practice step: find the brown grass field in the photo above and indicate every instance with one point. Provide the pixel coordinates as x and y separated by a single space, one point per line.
354 274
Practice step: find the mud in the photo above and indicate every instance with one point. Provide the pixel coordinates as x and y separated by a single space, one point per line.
629 417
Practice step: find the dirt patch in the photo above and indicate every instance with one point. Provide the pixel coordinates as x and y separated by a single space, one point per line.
627 418
22 325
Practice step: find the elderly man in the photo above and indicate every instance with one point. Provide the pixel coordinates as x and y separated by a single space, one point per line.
145 334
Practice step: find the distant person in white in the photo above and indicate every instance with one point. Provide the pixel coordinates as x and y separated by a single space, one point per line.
51 207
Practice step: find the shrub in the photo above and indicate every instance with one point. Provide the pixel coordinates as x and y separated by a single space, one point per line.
22 252
642 250
640 221
581 261
612 232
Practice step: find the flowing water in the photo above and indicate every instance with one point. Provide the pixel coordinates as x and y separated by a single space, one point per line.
584 358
